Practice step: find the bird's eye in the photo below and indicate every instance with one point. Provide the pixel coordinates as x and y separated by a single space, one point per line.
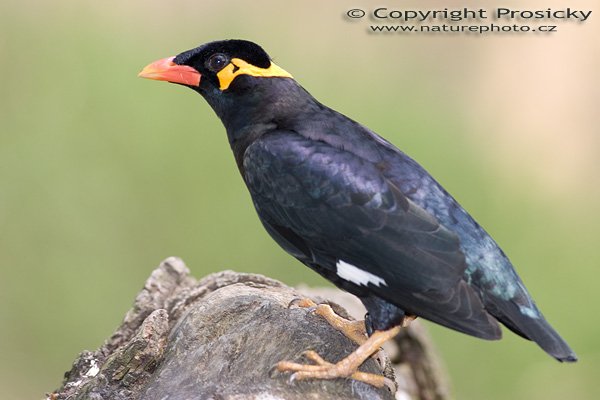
217 62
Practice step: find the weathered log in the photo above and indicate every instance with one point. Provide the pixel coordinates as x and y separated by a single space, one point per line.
220 337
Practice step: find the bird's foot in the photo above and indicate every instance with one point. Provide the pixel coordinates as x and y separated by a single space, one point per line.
326 370
346 368
353 330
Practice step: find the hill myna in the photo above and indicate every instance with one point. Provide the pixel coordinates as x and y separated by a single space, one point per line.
357 210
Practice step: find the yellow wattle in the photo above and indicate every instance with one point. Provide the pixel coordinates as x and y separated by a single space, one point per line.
241 67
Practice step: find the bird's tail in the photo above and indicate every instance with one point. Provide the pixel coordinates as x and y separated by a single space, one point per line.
532 325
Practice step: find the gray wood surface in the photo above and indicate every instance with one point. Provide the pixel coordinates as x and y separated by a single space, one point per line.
219 338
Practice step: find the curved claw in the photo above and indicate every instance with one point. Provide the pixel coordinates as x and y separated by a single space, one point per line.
390 384
292 378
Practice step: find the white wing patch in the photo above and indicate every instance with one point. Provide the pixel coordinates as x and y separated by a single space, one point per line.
356 275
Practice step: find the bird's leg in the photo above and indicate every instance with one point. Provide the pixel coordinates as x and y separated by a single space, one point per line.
346 368
353 330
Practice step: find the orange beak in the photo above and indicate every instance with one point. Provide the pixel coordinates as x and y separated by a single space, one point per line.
166 70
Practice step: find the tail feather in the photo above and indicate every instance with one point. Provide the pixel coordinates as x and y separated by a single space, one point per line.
532 326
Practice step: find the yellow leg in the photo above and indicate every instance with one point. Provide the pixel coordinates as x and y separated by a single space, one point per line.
353 330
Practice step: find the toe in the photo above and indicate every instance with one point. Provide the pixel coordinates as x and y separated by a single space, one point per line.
302 302
316 358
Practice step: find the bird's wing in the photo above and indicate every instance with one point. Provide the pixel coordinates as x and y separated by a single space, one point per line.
335 210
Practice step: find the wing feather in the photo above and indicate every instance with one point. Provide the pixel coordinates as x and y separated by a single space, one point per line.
323 204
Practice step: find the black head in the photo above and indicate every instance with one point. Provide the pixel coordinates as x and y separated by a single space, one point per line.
215 65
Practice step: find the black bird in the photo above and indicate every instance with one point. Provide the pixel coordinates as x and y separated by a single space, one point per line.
356 209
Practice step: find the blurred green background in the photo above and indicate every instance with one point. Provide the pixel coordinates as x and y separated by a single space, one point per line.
103 175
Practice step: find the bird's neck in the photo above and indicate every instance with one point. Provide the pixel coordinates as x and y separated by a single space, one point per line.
261 106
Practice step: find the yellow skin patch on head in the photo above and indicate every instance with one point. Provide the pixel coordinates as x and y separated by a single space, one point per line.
238 66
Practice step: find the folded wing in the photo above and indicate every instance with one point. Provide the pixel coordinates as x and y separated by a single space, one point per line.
325 205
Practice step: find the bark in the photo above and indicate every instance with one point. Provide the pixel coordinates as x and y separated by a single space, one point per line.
220 337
